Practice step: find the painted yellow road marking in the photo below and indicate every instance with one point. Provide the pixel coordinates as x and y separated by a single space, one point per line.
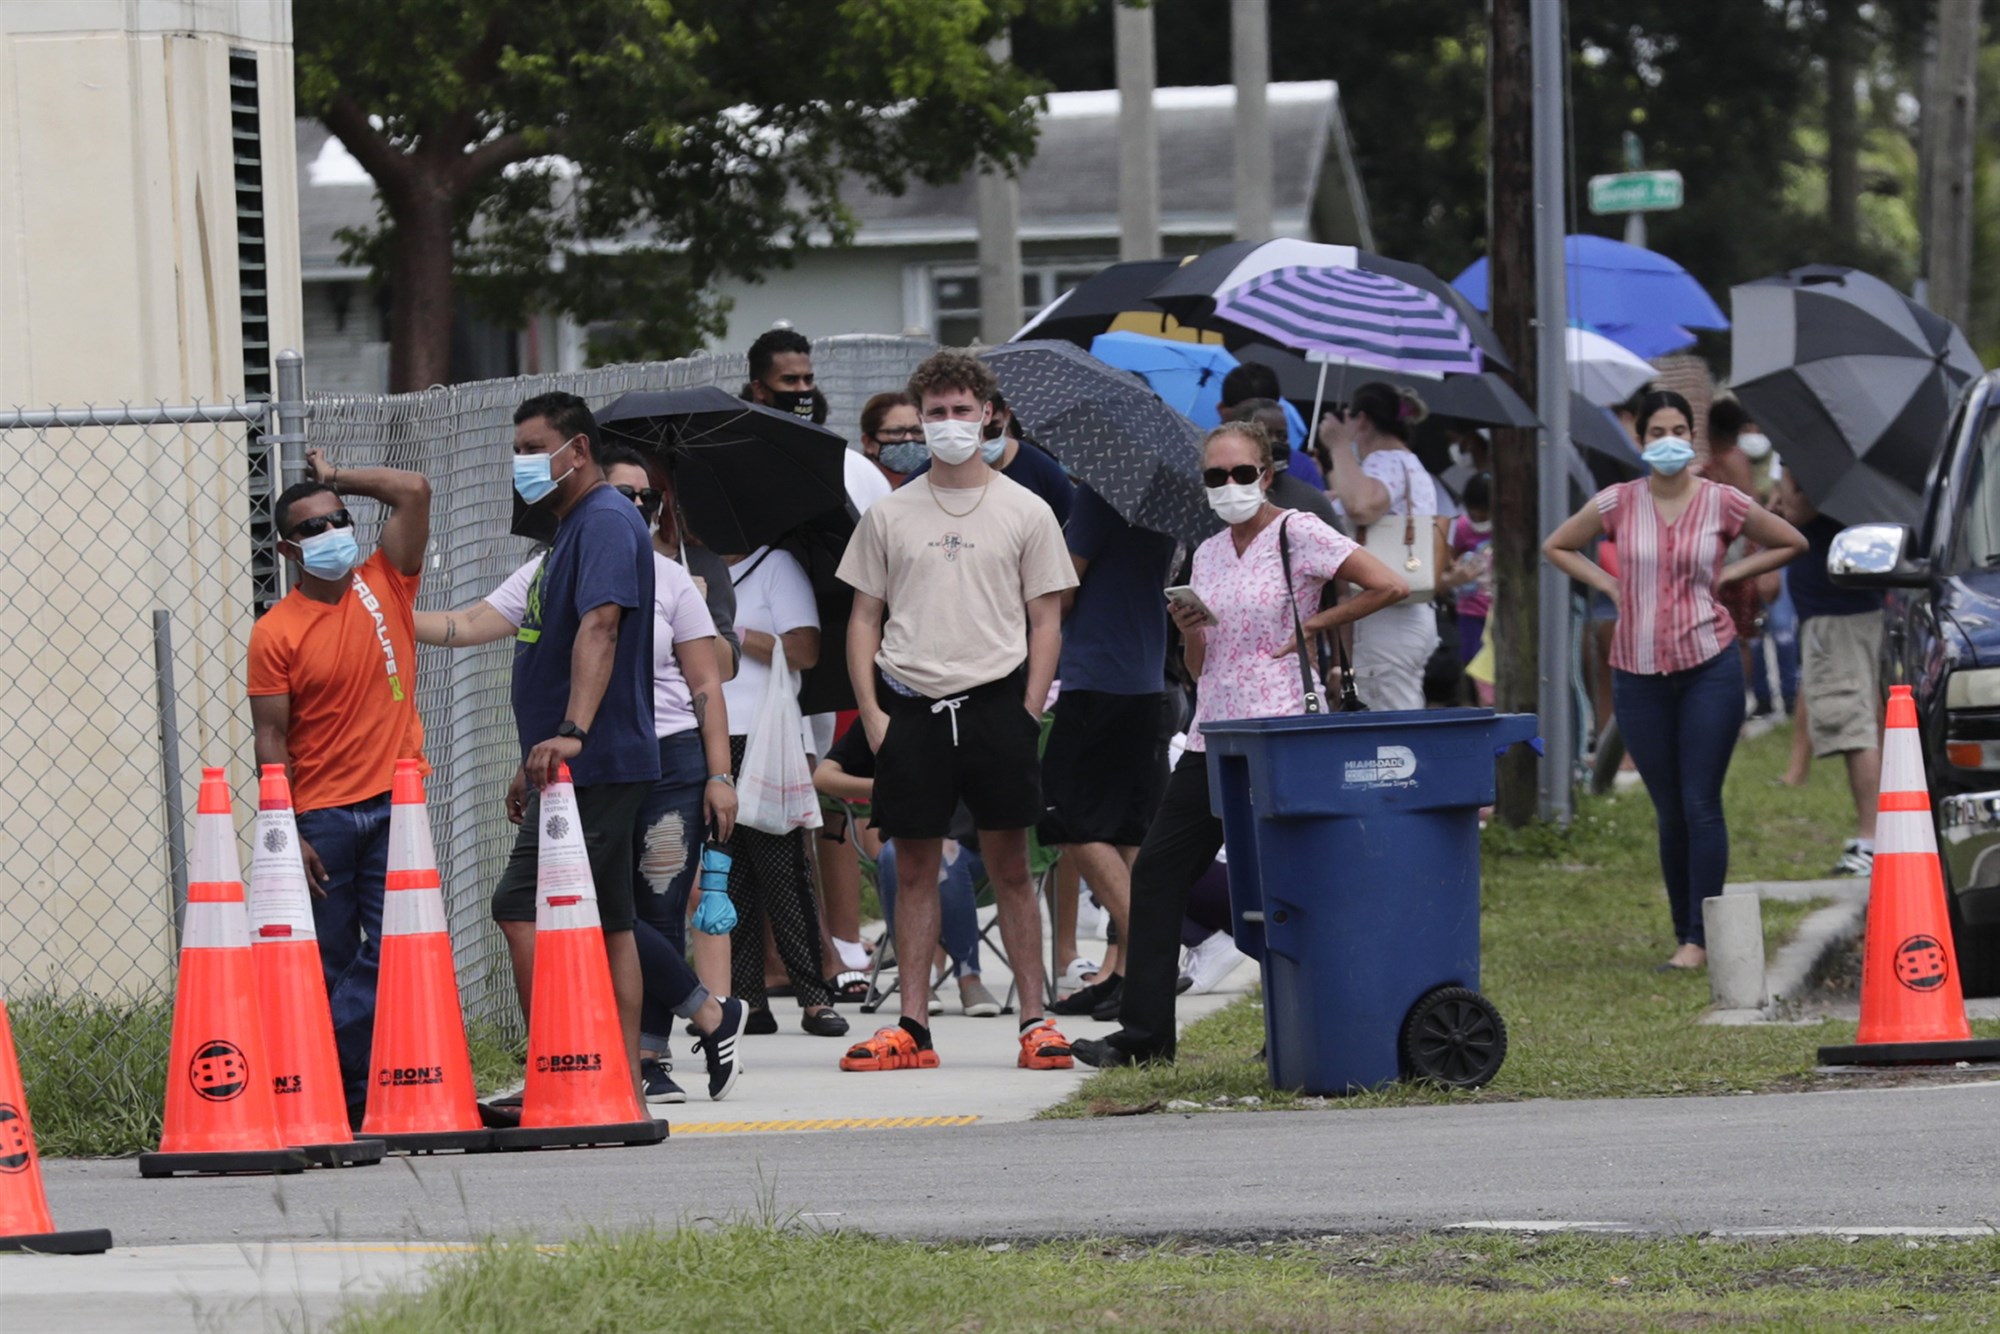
840 1123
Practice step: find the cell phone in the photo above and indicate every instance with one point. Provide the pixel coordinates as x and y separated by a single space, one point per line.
1181 595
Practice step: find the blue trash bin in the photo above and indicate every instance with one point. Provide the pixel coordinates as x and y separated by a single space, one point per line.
1354 881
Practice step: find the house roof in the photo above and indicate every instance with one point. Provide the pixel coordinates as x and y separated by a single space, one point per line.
1063 189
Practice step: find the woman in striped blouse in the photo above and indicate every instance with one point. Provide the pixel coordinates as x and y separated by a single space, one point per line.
1676 687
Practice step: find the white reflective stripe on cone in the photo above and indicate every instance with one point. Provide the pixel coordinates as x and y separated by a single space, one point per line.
214 856
1905 831
412 912
1902 761
578 916
410 847
215 926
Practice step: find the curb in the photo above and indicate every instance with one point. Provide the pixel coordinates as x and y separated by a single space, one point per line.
1822 934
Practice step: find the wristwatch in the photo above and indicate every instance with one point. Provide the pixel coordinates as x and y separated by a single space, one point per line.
570 729
727 780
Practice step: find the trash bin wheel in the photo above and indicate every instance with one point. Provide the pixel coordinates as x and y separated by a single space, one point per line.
1454 1037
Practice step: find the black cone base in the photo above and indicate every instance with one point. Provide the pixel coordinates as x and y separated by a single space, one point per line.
249 1160
1912 1053
577 1137
90 1241
438 1141
353 1153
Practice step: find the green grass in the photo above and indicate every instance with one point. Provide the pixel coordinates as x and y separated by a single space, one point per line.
743 1277
1574 922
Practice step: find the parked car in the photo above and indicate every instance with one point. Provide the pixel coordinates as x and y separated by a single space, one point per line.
1942 639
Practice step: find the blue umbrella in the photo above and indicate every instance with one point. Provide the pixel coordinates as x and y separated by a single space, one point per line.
1614 283
1187 375
1648 340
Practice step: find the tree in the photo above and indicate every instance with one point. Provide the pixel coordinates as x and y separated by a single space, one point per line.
610 159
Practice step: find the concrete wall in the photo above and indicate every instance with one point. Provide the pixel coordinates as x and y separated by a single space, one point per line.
119 282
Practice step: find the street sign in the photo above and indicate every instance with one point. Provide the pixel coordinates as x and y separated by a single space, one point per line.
1636 192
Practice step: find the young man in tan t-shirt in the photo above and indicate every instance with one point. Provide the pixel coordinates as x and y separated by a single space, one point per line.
952 646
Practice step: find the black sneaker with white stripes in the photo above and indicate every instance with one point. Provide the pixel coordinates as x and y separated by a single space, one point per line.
720 1048
659 1083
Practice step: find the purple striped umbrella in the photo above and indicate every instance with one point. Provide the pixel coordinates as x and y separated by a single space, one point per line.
1354 317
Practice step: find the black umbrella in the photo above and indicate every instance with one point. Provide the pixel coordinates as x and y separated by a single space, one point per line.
1609 453
1483 400
1113 298
1189 291
1853 380
745 475
1111 431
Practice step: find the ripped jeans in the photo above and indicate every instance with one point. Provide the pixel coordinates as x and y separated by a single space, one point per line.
669 852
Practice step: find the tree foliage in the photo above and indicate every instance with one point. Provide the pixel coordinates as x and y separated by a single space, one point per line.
611 159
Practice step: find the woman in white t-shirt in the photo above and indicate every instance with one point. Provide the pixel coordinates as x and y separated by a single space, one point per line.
1372 472
693 794
769 879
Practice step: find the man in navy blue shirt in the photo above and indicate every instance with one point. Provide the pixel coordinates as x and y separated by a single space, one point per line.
583 687
1106 763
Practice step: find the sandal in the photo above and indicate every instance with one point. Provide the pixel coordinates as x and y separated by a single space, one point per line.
849 988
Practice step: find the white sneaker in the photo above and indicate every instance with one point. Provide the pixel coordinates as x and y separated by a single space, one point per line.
1855 860
1211 961
1092 921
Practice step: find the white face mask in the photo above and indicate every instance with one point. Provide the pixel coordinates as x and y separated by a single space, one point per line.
1480 525
952 441
1755 445
1236 502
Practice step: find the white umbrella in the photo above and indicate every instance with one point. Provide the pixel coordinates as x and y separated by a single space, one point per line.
1605 372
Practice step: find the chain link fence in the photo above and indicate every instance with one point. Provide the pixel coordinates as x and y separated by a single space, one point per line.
135 555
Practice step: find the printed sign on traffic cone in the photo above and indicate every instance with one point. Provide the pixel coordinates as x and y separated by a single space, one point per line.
420 1092
221 1115
1912 1009
291 989
25 1224
579 1088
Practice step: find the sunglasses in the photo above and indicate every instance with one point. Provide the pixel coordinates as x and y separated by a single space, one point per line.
313 527
646 498
1243 474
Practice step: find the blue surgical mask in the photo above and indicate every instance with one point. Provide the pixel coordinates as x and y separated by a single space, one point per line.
533 477
991 450
1668 455
331 554
905 456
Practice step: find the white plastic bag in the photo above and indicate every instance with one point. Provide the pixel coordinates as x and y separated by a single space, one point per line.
774 792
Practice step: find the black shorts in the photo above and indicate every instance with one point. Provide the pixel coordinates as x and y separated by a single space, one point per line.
609 814
983 752
1105 768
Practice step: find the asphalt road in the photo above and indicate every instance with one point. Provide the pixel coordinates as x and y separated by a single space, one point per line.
1903 1158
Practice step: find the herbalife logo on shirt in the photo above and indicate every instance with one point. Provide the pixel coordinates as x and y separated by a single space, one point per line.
368 600
951 544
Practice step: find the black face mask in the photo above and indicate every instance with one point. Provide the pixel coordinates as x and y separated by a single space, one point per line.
799 404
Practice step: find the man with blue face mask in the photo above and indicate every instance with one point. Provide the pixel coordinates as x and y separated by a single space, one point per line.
333 691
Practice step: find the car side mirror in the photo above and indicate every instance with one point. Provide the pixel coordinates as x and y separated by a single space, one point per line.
1875 555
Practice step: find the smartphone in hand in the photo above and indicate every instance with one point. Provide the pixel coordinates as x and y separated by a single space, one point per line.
1181 595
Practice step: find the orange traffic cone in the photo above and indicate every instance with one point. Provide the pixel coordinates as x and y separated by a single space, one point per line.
25 1224
221 1114
579 1088
420 1092
291 989
1912 1010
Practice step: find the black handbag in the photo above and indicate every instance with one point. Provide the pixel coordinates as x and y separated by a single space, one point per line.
1350 700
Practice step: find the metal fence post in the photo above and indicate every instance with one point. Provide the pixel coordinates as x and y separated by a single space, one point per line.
170 762
289 416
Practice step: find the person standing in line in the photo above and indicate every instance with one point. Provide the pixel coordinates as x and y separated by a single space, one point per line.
1253 384
1106 763
957 627
1293 488
1677 684
1470 577
892 435
1000 445
1374 473
1268 567
694 743
332 686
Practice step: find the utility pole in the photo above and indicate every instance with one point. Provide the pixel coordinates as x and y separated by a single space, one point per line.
1250 61
1556 703
1949 110
998 196
1138 136
1516 507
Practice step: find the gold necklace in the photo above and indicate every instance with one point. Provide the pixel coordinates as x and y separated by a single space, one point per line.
939 501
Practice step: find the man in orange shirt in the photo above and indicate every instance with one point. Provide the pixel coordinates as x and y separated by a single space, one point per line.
333 698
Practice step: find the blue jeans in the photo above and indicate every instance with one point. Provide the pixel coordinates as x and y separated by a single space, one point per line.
1680 729
959 931
668 847
1781 623
353 845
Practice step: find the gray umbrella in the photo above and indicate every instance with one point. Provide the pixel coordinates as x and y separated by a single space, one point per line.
1853 381
1111 431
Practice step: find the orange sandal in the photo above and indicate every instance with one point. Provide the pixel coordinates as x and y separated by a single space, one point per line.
1044 1048
890 1049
